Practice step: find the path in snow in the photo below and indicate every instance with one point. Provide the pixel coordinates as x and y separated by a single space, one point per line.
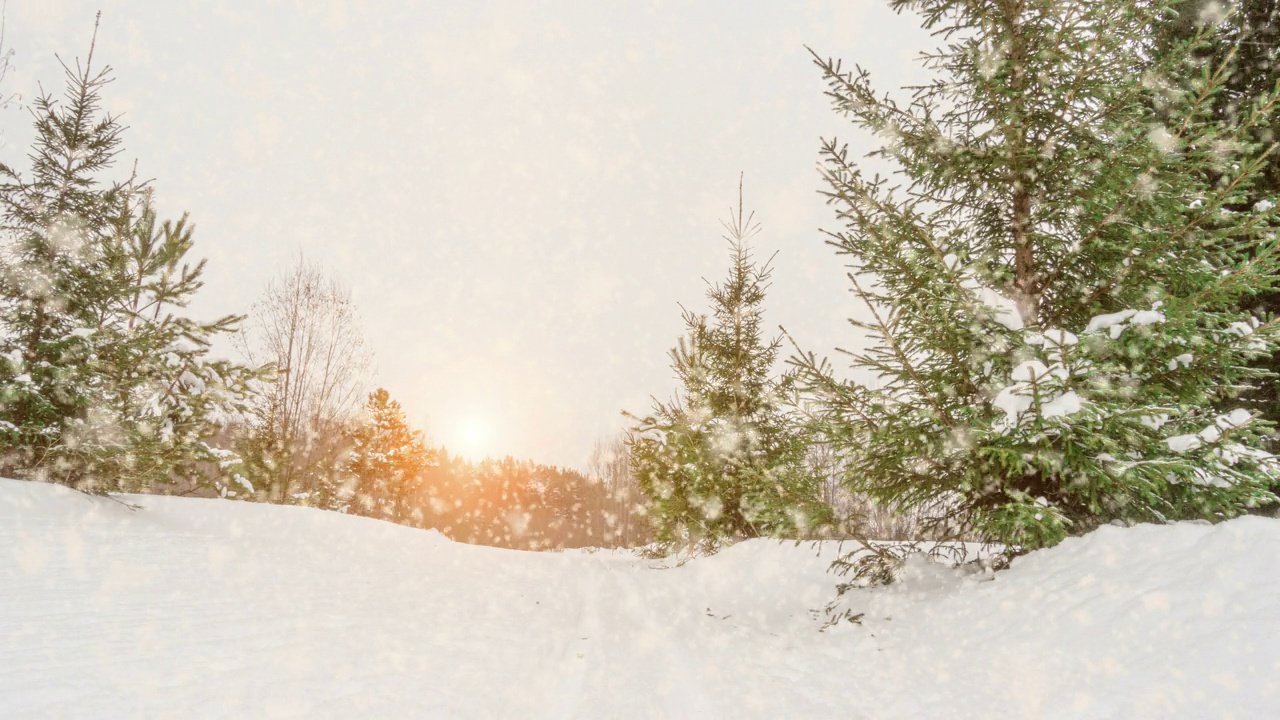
208 608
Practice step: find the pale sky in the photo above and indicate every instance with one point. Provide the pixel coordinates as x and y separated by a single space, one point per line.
518 194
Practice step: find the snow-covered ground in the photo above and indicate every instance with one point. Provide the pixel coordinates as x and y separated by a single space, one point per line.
209 608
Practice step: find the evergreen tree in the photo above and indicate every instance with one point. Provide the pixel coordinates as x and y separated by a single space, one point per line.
724 459
387 461
1054 291
104 386
54 224
1247 47
156 381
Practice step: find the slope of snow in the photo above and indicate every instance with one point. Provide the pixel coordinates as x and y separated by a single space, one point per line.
208 608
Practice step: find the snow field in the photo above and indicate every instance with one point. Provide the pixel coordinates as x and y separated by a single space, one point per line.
210 608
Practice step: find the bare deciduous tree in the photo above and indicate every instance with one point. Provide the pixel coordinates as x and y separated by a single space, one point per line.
6 59
610 463
307 328
856 514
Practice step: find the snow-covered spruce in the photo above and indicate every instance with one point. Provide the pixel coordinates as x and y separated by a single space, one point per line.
726 458
1054 291
104 382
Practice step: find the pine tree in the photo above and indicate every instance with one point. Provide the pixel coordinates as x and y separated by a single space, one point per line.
104 386
387 462
1054 289
724 459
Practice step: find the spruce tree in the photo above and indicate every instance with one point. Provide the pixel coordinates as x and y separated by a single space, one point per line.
55 221
725 459
104 385
1053 285
156 383
1247 47
386 463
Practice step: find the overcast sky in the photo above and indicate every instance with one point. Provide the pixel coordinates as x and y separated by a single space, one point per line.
517 193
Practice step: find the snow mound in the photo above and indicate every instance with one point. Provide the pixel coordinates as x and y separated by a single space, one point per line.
212 608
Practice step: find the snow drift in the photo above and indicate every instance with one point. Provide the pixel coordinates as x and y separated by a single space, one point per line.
209 608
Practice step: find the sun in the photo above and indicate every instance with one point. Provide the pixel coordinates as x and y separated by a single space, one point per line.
474 437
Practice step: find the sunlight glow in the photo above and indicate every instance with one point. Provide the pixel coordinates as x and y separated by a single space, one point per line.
474 437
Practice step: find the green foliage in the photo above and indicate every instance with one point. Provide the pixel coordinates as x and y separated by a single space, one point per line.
1053 290
1247 46
725 458
105 385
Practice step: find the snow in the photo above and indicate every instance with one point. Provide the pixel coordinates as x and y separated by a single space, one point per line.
1013 402
191 381
1109 320
1212 13
211 608
1242 329
1155 422
1236 418
1164 140
1203 477
1006 310
1029 371
1115 323
1060 338
1067 403
1147 317
1027 377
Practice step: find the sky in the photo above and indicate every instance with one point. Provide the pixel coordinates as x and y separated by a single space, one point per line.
518 194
